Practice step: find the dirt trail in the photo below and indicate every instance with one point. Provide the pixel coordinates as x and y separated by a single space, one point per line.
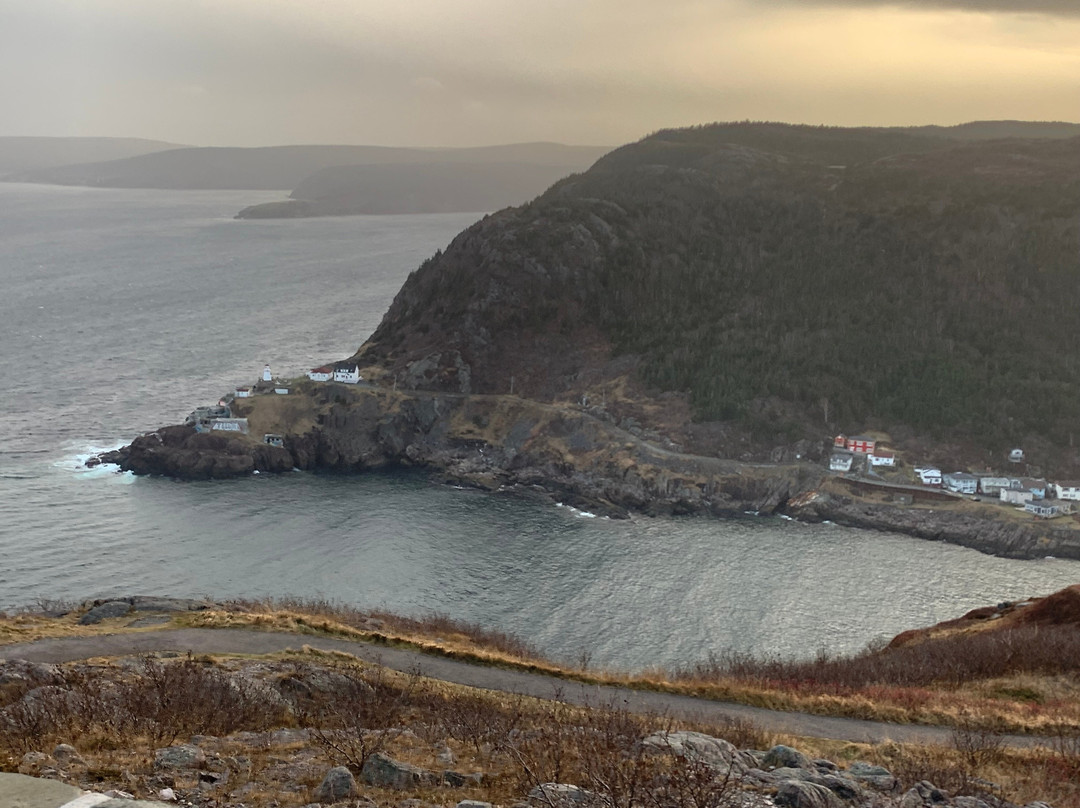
244 641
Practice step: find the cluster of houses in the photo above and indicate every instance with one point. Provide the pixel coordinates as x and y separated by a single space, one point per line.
219 417
846 449
1031 493
346 372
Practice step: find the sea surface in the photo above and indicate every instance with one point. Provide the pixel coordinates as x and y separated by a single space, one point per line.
122 310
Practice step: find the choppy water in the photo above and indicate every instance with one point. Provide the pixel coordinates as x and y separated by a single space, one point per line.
122 310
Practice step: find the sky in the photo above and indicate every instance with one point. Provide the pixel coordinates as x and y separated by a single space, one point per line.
479 72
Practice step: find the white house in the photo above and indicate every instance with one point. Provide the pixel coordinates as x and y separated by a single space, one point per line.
840 461
961 482
1044 510
321 374
1067 490
243 392
1016 456
1016 496
929 476
882 457
229 425
281 391
350 374
992 486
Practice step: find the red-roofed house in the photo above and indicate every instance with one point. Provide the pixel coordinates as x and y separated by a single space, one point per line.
321 374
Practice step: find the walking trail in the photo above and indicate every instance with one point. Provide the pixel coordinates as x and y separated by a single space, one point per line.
244 641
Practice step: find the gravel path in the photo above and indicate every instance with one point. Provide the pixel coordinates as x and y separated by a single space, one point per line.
243 641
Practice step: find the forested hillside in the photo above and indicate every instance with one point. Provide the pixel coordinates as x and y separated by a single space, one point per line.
873 277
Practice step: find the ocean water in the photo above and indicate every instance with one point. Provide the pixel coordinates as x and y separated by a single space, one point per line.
122 310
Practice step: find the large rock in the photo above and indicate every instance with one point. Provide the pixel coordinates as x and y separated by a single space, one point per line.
784 757
874 776
716 753
385 772
180 756
338 784
561 795
103 611
801 794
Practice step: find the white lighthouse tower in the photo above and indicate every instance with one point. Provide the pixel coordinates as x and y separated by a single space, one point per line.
267 375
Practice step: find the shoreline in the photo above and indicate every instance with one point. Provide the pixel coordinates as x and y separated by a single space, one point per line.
560 453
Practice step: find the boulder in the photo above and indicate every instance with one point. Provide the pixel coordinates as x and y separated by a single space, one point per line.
66 756
103 611
560 795
180 756
459 780
922 794
473 804
784 757
801 794
383 771
338 784
716 753
876 777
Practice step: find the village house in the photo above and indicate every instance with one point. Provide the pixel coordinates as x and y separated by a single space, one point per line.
840 442
1069 489
960 482
271 439
321 374
347 373
243 392
882 457
861 444
1016 456
929 476
1036 486
1042 510
1016 496
992 486
281 391
841 461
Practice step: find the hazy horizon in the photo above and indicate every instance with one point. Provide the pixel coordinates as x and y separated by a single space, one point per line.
487 72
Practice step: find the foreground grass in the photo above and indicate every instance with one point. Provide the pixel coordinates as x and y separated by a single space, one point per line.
116 715
1025 680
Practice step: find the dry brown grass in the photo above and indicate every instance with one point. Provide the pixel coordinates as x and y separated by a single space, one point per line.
115 716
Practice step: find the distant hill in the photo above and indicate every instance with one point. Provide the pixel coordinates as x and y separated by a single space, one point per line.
282 167
998 130
19 154
787 282
416 188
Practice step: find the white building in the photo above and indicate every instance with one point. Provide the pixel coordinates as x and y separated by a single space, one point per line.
1016 456
243 392
350 374
929 476
267 375
321 374
840 461
1016 496
882 457
960 482
992 486
1067 490
1043 510
229 425
281 391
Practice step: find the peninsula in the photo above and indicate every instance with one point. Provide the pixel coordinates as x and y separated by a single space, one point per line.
689 325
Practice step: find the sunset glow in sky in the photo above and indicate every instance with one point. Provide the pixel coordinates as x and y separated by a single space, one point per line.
474 72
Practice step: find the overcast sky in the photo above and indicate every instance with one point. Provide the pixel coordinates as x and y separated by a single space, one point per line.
474 72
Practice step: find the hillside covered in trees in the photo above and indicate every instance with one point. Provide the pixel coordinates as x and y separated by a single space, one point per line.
786 281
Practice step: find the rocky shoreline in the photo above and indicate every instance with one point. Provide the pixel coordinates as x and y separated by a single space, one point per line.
563 453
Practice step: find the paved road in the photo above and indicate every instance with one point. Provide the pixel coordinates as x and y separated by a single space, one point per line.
244 641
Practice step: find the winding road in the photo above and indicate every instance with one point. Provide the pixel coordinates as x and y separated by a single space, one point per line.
245 641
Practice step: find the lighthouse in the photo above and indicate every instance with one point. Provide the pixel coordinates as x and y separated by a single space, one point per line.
267 376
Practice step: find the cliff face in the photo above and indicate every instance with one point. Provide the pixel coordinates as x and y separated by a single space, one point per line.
570 454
